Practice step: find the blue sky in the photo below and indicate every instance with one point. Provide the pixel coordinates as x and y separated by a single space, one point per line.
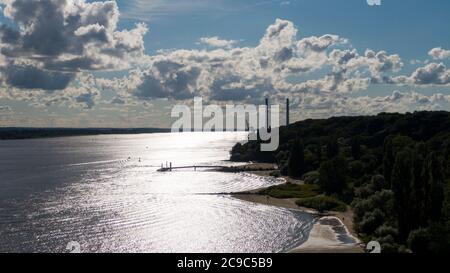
89 72
410 27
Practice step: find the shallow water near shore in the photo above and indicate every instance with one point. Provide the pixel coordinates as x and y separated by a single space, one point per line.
105 193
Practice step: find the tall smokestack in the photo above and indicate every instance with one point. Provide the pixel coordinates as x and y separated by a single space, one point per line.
267 113
287 112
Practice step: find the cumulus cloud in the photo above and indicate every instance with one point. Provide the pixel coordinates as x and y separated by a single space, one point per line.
55 44
319 44
275 66
30 77
56 37
431 74
217 42
338 105
439 53
87 99
376 63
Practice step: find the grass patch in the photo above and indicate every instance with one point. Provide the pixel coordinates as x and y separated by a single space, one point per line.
322 203
290 190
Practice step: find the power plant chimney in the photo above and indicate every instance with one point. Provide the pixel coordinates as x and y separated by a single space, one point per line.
287 112
267 113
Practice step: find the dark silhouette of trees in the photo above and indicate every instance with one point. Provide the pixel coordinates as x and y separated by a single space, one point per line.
434 190
332 148
356 147
296 163
332 178
402 177
417 184
394 170
388 159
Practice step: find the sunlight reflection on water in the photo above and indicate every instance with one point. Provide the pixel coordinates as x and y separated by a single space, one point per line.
105 193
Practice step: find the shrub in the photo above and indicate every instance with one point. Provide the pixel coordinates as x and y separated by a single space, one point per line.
275 174
418 240
322 203
356 168
312 177
290 190
386 230
371 221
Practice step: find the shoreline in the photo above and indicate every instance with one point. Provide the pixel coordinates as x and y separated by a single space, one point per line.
332 232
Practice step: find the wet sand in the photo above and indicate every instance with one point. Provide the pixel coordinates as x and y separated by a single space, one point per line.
331 233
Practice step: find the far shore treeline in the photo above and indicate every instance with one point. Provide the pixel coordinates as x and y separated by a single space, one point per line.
26 133
392 169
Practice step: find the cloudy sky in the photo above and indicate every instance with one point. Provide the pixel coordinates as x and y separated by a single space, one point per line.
80 63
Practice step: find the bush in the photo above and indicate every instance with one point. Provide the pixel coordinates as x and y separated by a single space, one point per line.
290 190
386 230
364 191
356 168
312 177
418 240
322 203
275 174
371 221
378 183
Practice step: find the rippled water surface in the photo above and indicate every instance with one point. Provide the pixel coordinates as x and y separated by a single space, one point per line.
105 193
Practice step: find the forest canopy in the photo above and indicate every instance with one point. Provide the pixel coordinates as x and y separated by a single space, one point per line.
393 169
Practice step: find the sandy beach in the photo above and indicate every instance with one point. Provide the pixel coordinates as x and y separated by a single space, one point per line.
332 232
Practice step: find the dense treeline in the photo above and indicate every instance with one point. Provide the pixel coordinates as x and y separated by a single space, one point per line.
24 133
393 169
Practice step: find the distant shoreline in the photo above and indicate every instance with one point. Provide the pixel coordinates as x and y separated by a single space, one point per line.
17 133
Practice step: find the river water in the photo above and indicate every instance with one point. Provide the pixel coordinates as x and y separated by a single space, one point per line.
104 192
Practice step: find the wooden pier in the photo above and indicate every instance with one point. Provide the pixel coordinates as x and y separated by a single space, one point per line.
169 169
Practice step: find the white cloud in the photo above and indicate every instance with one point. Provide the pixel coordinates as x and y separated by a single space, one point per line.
316 106
439 53
53 39
59 43
431 74
250 73
217 42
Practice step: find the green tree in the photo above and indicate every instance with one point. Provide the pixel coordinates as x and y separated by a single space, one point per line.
434 187
355 145
388 159
402 176
296 162
332 148
446 158
333 176
419 241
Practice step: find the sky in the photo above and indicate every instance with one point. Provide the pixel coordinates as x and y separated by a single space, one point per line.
80 63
